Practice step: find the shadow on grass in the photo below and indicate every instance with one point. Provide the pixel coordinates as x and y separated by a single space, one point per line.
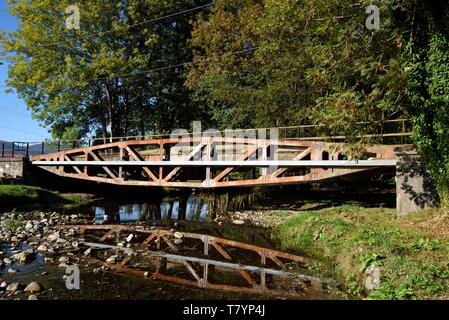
29 198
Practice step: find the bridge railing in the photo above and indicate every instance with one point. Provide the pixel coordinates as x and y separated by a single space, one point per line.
384 132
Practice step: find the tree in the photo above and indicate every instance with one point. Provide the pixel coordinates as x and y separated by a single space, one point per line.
428 68
315 61
312 61
97 79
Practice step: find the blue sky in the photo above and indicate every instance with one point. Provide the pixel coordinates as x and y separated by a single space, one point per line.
16 123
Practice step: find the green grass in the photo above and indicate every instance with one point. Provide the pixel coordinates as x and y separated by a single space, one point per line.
28 197
412 253
11 224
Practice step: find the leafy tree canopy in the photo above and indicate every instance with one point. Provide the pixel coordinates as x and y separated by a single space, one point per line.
96 79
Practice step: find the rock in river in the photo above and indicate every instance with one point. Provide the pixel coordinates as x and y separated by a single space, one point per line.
112 259
13 287
53 237
33 287
24 257
64 259
178 235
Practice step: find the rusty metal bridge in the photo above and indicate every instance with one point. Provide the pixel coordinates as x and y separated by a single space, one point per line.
214 161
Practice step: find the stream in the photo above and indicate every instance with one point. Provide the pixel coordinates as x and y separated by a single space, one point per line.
193 213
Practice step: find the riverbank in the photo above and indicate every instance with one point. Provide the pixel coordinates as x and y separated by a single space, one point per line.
411 253
22 197
35 252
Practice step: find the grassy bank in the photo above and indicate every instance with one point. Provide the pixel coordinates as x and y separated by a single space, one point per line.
412 253
28 197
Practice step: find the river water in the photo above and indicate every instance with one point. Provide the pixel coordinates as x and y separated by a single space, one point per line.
188 213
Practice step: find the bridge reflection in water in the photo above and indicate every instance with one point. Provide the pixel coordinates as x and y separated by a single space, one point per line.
194 209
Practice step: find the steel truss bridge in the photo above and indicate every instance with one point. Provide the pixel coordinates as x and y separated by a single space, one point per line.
212 162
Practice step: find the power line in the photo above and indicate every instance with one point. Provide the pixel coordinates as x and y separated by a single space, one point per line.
133 25
20 130
138 73
133 74
19 114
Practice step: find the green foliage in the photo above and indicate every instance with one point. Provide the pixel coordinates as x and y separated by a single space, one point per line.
315 61
257 63
93 80
428 90
307 64
11 224
372 259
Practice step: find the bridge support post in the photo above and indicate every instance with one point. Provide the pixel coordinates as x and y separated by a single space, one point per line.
415 190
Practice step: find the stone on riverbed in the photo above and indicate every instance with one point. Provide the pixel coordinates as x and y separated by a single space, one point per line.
238 222
130 238
32 297
24 257
112 259
53 237
88 252
64 259
33 287
42 248
13 287
178 235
